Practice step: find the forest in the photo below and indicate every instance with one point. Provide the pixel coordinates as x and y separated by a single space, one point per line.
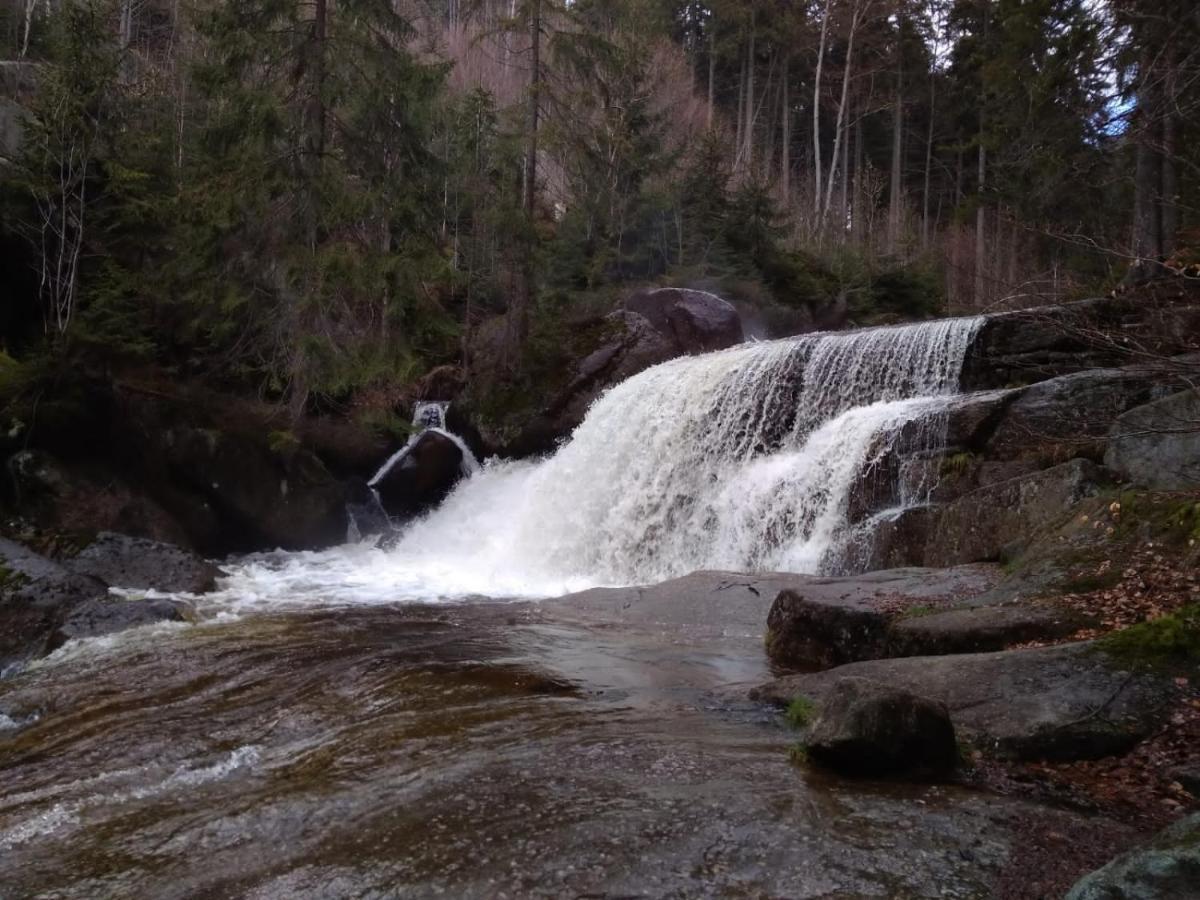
314 203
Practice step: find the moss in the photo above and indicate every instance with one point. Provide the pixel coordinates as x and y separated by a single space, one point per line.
800 711
10 580
1166 643
282 442
918 610
798 754
769 640
957 464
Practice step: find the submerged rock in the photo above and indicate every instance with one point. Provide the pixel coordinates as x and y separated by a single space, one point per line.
130 562
1058 703
868 728
1158 445
1168 868
108 615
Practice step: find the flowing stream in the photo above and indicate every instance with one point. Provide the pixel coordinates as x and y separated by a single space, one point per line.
331 727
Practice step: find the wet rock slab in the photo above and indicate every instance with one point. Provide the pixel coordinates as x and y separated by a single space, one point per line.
1057 703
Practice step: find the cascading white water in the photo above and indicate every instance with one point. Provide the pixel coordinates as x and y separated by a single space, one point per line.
745 459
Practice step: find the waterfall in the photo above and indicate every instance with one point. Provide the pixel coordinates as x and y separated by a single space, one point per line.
779 455
748 459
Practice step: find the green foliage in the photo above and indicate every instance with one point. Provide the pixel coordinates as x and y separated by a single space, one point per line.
1165 643
798 754
800 711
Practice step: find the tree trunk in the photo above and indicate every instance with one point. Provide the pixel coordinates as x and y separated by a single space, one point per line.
785 139
816 129
712 69
928 165
894 203
980 248
518 318
1169 199
748 133
841 116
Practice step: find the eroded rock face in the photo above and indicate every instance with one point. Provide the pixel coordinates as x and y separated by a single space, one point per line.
1168 868
998 520
1158 445
869 728
44 604
129 562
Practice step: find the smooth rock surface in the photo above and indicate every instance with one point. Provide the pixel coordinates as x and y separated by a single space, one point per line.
1168 868
869 728
129 562
1158 445
1060 703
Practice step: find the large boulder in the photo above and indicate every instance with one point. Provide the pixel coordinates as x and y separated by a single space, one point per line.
36 594
1060 703
824 622
868 728
266 491
129 562
1158 445
694 321
44 604
1168 868
419 475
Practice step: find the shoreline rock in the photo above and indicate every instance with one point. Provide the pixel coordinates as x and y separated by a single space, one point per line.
1054 703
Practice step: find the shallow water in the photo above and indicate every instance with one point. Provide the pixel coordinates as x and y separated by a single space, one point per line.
473 750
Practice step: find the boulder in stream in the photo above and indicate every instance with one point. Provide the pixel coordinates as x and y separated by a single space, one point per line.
421 474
